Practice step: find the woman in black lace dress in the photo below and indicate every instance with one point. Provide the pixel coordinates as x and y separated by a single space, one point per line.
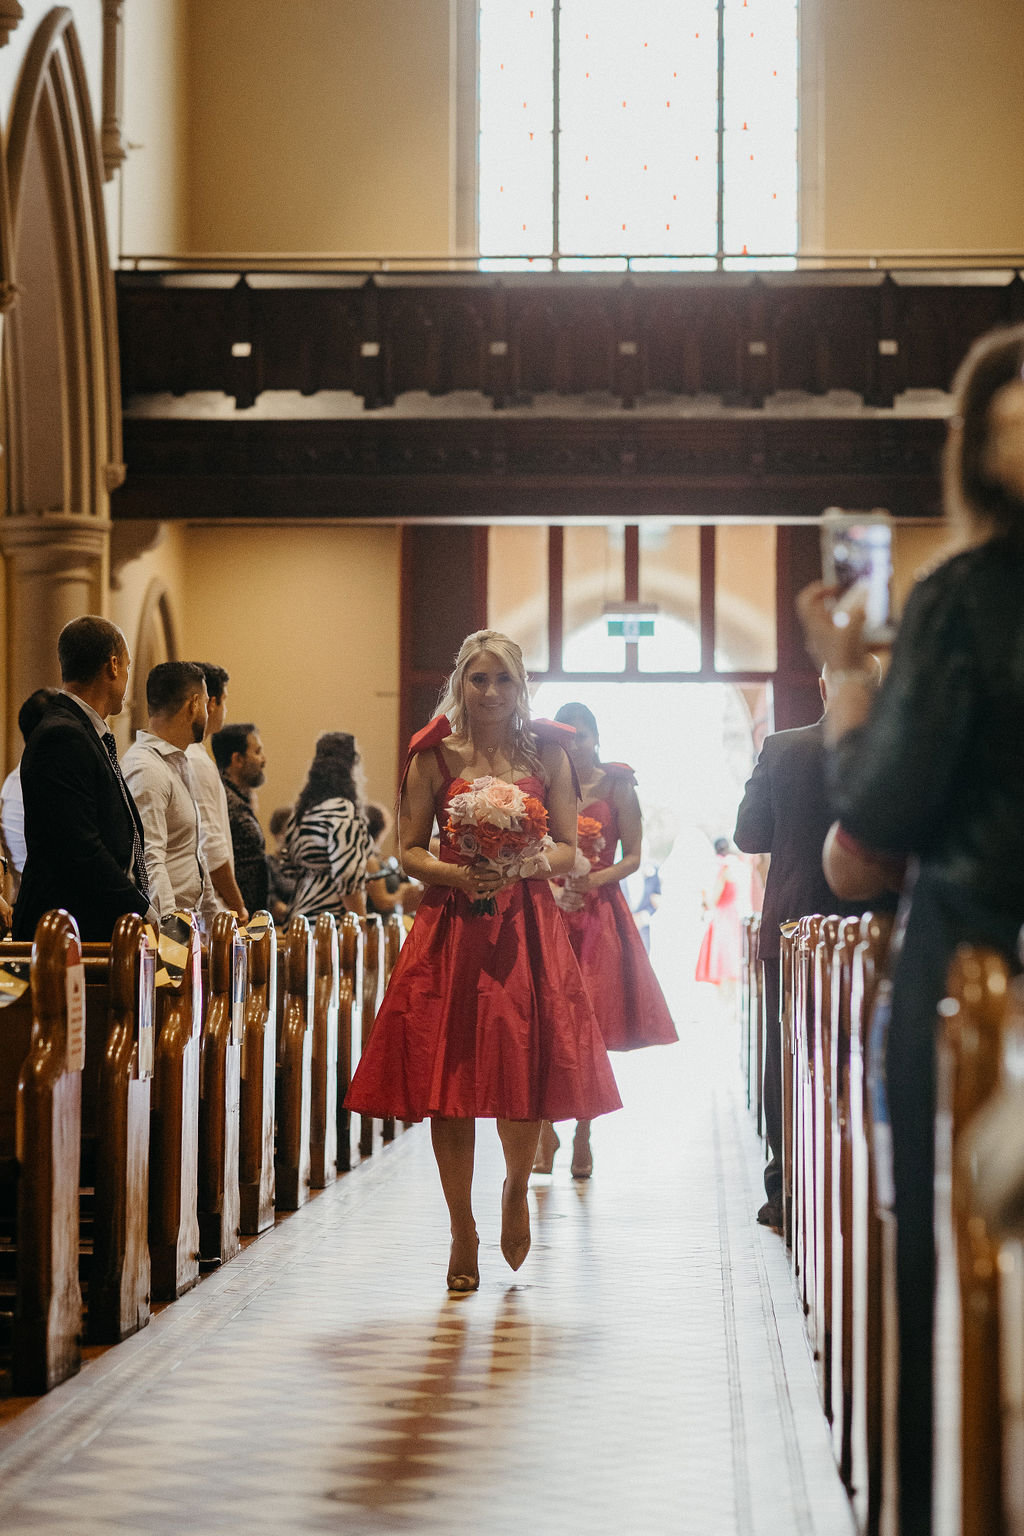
932 770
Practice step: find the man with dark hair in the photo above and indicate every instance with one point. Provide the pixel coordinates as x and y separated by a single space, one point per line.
12 806
159 776
238 753
212 799
83 834
785 812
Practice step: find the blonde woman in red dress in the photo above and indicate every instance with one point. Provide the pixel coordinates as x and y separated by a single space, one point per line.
624 990
486 1015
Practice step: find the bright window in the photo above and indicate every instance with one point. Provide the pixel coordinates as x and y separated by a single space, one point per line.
662 131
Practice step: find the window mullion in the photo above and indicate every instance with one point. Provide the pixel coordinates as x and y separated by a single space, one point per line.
720 195
556 125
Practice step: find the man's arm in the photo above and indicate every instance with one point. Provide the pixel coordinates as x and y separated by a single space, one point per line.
151 795
755 819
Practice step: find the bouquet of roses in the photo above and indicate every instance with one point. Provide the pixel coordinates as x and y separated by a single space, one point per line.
493 822
589 842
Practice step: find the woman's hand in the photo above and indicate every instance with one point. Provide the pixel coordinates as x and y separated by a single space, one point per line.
582 882
831 642
480 881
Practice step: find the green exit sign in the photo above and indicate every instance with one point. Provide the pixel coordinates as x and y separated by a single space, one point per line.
630 629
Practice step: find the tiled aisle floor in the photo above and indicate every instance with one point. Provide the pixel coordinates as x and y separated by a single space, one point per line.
644 1373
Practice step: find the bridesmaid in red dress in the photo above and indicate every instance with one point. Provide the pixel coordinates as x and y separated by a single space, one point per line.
628 1001
486 1015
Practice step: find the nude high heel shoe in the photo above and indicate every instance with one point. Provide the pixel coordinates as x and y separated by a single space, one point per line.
582 1158
547 1146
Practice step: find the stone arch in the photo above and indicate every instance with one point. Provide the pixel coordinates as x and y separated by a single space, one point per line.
63 330
61 406
156 640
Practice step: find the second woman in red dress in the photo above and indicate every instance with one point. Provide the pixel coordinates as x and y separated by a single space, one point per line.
627 999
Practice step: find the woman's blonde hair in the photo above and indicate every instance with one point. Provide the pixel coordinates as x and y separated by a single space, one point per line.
453 700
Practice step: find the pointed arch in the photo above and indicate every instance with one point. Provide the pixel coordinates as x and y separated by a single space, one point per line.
62 403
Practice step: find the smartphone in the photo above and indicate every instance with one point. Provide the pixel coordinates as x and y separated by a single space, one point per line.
856 557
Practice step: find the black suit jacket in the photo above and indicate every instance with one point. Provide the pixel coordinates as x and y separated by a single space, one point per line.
786 812
78 828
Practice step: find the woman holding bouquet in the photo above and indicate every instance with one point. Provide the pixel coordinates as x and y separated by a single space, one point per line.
630 1008
486 1014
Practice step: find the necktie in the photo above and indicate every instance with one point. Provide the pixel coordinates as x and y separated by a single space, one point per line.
138 857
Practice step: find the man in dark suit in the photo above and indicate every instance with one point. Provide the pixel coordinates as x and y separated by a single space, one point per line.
83 834
785 812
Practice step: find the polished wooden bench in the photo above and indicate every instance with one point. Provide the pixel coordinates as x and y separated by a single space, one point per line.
219 1092
393 939
350 1026
116 1092
294 1066
841 1266
42 1053
820 1051
323 1124
373 991
257 1089
975 1017
174 1119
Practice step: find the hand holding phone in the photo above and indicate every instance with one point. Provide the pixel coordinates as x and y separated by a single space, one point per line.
856 559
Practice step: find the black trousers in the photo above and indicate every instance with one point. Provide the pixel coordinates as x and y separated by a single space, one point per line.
772 1085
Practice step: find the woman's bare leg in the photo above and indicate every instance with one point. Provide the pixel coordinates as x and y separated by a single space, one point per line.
454 1143
519 1144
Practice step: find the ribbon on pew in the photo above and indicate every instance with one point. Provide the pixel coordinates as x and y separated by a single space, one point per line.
257 926
14 980
172 949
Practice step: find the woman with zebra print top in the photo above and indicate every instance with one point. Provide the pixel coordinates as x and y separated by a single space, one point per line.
327 841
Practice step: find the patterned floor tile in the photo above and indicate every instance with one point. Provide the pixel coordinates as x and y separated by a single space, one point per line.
645 1371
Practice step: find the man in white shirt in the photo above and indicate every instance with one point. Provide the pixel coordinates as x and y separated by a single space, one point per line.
12 805
158 774
209 789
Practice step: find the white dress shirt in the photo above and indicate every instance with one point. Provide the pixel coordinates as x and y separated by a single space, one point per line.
158 775
215 838
12 817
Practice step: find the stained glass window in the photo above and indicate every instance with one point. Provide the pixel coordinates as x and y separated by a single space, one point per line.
663 132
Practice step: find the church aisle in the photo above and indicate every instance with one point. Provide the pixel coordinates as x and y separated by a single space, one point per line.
644 1372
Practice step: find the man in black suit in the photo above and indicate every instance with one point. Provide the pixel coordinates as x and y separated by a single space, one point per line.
82 831
785 812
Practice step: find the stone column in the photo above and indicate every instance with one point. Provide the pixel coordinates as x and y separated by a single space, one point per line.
56 570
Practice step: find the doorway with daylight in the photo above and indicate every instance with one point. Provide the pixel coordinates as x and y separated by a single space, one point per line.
667 632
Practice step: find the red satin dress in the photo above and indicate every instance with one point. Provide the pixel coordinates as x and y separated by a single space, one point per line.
630 1007
484 1016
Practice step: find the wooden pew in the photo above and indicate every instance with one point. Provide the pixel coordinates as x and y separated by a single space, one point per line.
373 991
116 1091
872 1425
258 1081
803 1122
174 1119
841 1229
821 1162
219 1089
323 1133
294 1067
42 1053
975 1016
350 1024
394 936
787 948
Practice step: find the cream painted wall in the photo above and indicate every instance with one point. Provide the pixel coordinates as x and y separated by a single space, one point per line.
154 206
319 125
324 124
921 105
306 622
